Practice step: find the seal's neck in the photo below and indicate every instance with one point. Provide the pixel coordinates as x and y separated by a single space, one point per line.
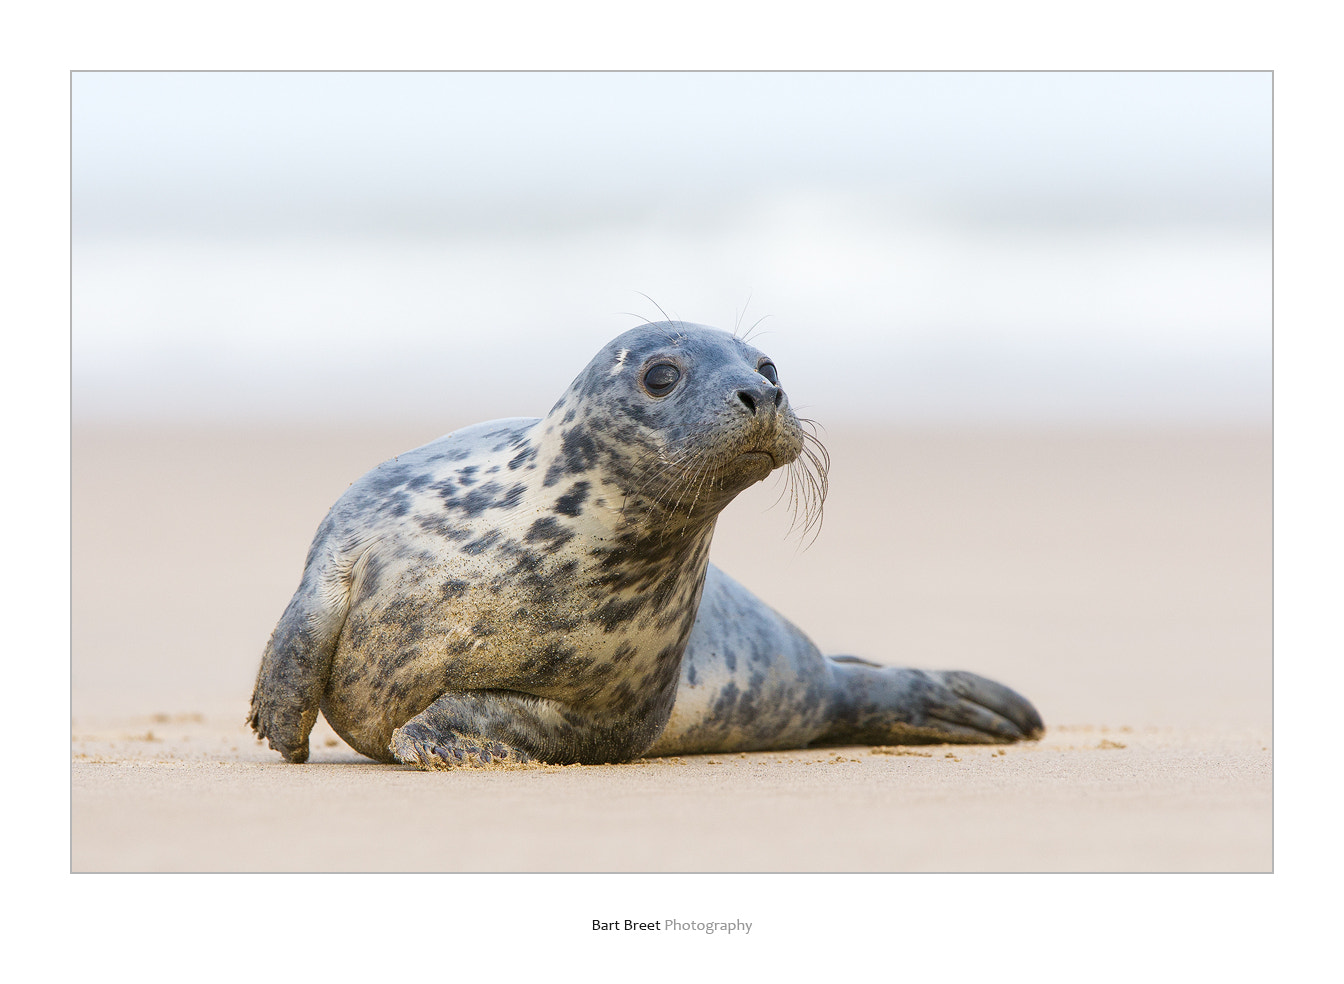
640 515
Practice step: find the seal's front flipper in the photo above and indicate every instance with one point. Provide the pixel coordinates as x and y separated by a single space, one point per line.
297 662
887 705
482 728
426 748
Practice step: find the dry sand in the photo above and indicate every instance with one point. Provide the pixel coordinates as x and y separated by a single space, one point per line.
1122 580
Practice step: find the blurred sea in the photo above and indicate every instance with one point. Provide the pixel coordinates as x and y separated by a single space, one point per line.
963 247
865 319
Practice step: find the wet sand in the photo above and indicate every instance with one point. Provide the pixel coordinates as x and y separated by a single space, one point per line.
1120 579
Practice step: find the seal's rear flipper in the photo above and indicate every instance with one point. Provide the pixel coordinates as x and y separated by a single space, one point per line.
295 665
895 706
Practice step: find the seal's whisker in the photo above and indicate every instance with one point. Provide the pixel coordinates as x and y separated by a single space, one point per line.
737 322
654 303
686 479
791 489
667 335
819 457
659 470
812 426
811 479
657 464
699 485
785 485
648 468
747 336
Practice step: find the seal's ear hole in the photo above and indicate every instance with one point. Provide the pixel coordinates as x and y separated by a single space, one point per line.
767 369
660 379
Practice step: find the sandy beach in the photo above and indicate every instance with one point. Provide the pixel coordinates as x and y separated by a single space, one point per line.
1120 579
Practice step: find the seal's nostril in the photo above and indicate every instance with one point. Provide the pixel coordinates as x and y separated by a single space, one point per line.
747 399
779 396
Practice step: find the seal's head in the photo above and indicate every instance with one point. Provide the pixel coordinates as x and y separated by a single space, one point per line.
682 418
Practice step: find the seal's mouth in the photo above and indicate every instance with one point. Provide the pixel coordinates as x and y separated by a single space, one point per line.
762 461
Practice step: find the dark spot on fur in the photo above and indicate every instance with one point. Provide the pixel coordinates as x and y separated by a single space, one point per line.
524 456
550 659
385 479
356 631
400 611
454 588
623 698
405 657
548 530
481 498
727 698
578 454
467 474
482 543
440 525
580 449
526 562
617 612
571 503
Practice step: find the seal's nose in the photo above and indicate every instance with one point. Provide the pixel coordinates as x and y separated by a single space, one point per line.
762 397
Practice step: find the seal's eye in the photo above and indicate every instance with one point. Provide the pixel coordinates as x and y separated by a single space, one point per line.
767 369
660 379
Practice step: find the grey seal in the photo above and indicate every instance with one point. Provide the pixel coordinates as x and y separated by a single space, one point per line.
532 589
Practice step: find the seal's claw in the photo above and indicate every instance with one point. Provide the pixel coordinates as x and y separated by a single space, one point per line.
975 723
285 733
991 707
450 751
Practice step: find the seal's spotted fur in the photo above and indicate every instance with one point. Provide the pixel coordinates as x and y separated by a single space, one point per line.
533 589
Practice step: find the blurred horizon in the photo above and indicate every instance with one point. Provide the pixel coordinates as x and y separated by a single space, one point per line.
947 247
